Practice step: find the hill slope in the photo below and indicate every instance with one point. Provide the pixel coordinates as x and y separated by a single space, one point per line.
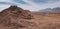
18 18
15 16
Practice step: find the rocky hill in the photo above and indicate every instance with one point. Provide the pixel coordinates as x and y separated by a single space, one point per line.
17 12
15 16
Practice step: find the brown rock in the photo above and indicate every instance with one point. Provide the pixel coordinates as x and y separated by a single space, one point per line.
13 15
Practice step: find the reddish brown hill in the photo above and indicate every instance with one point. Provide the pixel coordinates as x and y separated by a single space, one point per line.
17 12
15 16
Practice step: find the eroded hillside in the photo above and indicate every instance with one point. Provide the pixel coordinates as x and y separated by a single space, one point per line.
17 18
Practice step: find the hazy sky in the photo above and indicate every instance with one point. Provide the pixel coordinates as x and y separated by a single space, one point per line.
33 5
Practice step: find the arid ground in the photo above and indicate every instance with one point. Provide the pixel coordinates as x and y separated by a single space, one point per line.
20 19
40 21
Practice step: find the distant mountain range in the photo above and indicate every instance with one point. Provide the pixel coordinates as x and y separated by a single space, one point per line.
48 10
57 9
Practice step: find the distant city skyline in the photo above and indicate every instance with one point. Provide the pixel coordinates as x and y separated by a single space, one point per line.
32 5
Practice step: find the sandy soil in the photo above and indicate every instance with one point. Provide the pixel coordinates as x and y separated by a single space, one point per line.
40 21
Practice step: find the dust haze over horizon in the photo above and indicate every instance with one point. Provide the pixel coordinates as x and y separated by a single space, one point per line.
32 5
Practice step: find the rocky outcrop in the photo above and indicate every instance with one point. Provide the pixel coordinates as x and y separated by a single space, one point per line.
17 12
15 16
